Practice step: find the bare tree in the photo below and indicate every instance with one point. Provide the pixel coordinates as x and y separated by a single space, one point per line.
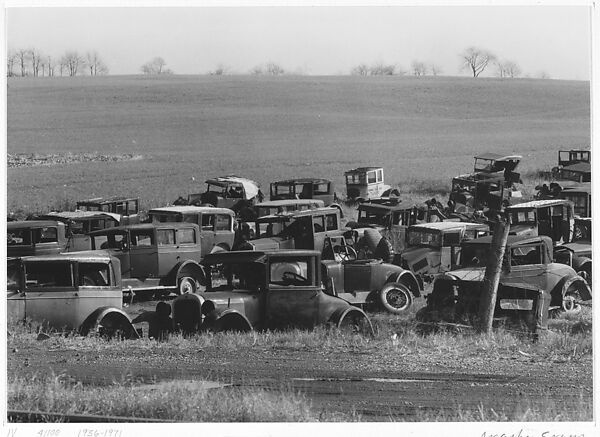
512 69
273 69
257 70
221 70
22 57
380 69
543 75
435 69
155 66
11 58
72 62
418 68
51 64
95 64
360 70
36 58
476 60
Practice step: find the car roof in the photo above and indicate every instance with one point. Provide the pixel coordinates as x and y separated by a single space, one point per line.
71 215
306 212
87 255
480 177
362 169
511 240
444 226
192 209
284 202
579 167
245 256
107 199
22 224
539 204
497 157
249 185
302 181
382 207
145 226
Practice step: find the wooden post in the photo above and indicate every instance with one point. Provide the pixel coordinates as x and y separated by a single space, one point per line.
493 269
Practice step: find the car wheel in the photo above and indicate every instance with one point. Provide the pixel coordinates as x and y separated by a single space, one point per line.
355 322
570 303
396 298
187 285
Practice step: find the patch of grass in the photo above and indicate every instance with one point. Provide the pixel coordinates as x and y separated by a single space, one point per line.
186 401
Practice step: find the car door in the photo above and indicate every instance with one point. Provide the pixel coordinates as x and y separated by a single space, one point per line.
15 303
292 293
224 234
207 226
143 253
526 264
168 256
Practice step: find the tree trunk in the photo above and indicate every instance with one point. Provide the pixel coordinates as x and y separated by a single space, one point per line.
493 270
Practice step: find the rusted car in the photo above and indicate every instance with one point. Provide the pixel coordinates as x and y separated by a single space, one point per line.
369 282
36 237
74 291
127 208
496 163
306 188
578 193
574 156
430 246
81 223
233 192
216 224
554 218
155 257
364 183
264 290
271 207
578 252
531 284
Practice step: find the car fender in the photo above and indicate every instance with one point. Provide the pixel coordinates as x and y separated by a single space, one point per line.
226 320
580 262
338 316
580 283
409 279
94 319
186 311
188 267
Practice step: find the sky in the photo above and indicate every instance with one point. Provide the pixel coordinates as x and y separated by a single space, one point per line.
317 40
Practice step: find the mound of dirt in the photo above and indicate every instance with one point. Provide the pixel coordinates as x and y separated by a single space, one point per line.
35 159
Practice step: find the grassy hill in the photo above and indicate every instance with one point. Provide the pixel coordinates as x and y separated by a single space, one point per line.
422 131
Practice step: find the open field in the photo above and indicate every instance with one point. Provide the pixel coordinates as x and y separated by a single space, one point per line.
422 130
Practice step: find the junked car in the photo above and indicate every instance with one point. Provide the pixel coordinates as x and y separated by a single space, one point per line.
364 183
155 257
306 188
231 192
578 252
272 207
36 237
531 284
126 208
73 291
264 290
554 218
430 247
216 224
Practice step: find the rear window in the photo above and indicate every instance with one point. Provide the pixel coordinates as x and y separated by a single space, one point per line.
222 222
48 274
208 222
165 237
186 236
322 188
142 237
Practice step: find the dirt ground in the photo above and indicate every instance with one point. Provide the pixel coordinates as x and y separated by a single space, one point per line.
368 381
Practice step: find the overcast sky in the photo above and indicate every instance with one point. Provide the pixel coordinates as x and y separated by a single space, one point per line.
321 40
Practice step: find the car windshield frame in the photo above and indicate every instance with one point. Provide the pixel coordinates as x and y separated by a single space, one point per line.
424 237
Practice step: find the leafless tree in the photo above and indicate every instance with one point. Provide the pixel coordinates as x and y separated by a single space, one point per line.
257 70
155 66
418 68
273 69
11 58
36 58
360 70
380 69
508 69
435 69
72 62
22 57
221 70
51 64
476 60
543 75
95 64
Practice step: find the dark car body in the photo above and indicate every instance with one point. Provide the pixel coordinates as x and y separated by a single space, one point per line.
231 192
155 257
36 237
72 291
554 218
263 290
304 188
128 208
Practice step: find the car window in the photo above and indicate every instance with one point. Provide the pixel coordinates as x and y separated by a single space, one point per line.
186 236
372 177
48 274
322 188
79 227
451 239
319 223
93 274
165 237
283 189
208 222
18 237
121 208
379 175
45 235
142 237
110 241
290 272
331 222
188 218
132 207
222 222
525 255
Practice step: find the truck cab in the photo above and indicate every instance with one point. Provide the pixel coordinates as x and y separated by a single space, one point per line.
554 218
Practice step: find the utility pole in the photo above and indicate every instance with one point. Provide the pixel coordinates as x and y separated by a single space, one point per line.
493 269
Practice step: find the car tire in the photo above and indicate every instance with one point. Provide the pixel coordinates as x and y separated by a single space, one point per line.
396 298
187 285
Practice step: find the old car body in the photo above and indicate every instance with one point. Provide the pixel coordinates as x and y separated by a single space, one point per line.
216 224
264 290
573 165
36 237
429 246
231 192
295 230
495 163
581 196
304 188
578 252
554 218
364 183
81 223
478 191
72 291
286 205
367 281
574 156
155 257
127 208
530 283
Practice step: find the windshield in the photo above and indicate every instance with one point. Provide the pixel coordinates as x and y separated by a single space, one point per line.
28 236
373 217
482 164
522 217
473 255
286 190
218 189
424 237
244 276
114 240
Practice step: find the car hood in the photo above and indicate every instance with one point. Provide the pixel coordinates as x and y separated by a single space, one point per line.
268 243
416 253
523 230
225 298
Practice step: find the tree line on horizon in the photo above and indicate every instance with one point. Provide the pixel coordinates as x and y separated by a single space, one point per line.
31 62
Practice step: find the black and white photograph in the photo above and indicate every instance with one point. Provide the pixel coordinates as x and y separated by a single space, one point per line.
250 218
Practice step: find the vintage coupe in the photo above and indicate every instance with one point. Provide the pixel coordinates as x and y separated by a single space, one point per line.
73 291
250 290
